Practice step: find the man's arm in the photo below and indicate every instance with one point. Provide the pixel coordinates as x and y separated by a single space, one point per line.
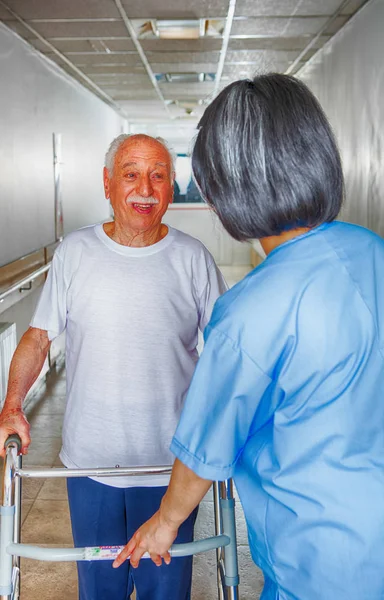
157 535
27 362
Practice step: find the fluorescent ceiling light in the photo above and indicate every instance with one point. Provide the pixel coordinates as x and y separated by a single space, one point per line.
184 77
176 29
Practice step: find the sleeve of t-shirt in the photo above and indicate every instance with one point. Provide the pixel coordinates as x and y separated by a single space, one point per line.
51 312
219 414
213 289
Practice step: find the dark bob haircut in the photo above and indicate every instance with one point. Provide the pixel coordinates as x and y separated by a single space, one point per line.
266 160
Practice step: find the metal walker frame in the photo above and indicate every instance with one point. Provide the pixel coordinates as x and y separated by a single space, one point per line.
11 549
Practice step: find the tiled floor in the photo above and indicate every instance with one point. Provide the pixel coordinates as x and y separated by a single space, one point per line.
46 518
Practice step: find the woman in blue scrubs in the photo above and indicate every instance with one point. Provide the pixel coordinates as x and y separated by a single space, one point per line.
288 396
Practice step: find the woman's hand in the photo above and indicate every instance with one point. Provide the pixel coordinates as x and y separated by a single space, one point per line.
156 537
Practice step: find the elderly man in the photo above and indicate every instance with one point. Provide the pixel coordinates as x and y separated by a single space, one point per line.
131 295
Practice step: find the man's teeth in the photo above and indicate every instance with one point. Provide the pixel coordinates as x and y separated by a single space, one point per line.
142 205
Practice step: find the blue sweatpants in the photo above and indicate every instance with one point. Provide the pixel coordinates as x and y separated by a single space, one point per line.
103 515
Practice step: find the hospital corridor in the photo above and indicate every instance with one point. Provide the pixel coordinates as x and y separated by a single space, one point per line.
191 299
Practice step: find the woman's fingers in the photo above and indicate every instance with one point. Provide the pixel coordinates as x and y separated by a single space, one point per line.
156 559
137 554
125 553
153 537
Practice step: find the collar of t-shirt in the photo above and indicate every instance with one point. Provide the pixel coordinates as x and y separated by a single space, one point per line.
134 251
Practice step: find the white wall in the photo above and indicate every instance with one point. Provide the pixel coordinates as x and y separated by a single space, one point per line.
348 78
37 99
200 222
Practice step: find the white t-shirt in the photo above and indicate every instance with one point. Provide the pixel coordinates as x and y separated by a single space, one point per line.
131 317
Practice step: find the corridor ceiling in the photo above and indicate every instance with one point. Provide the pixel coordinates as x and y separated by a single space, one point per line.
155 60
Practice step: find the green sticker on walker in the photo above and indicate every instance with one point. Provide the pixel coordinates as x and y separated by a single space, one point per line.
102 552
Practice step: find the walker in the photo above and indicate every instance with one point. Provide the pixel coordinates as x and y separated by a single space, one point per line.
224 542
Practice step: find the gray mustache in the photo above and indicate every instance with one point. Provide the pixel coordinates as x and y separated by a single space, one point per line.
141 200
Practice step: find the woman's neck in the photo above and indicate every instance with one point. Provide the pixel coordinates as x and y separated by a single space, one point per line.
273 241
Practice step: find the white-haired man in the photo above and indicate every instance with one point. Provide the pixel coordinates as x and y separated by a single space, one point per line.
131 295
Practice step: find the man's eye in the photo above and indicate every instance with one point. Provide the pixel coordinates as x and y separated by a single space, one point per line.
130 175
158 176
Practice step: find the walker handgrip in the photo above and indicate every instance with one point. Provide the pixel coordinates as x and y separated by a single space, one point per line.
13 439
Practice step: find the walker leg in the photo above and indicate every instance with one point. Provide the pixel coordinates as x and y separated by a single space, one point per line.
17 533
218 531
231 570
7 516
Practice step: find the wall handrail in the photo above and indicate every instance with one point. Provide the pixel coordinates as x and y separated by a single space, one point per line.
25 281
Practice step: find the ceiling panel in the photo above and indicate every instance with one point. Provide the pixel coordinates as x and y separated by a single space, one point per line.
175 9
184 67
175 57
132 93
202 45
88 45
145 111
255 56
278 26
353 6
96 58
114 69
126 92
286 7
107 78
175 90
51 29
232 72
138 80
274 43
336 25
5 14
68 9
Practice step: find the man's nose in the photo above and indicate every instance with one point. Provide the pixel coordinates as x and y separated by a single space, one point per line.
145 187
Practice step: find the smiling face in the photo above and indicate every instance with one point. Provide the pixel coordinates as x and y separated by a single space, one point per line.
141 185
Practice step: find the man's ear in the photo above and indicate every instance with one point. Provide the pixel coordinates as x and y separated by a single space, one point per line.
106 181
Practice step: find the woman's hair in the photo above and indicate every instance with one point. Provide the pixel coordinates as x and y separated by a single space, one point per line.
266 160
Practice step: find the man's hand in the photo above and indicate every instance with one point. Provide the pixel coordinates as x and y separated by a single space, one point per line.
13 420
155 537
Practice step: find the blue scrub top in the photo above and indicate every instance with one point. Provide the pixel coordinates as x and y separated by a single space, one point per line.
288 399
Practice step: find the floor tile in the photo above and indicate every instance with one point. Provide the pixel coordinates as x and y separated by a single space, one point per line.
42 451
25 508
54 489
57 462
48 522
251 578
204 583
47 425
31 488
47 405
56 387
48 580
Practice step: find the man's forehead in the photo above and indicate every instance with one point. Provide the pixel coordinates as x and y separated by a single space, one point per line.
132 163
136 150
